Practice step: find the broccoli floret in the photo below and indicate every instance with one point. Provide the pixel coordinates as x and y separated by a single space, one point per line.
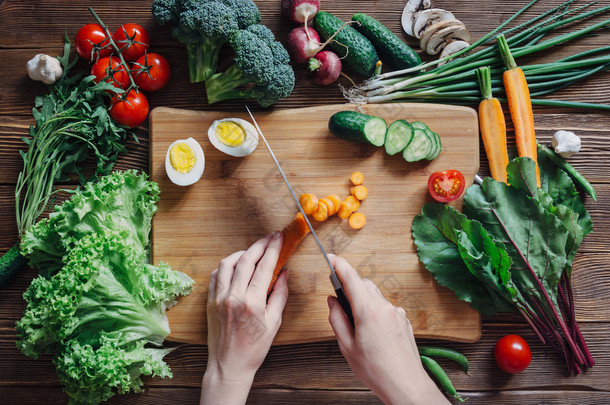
260 70
204 26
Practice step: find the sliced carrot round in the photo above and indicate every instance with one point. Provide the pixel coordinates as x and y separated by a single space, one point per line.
330 206
360 192
309 202
357 178
344 211
352 202
336 201
321 212
357 220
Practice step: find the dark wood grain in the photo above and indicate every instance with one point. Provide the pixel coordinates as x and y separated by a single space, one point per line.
315 372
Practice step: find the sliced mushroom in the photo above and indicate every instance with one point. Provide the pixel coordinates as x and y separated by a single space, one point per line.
445 36
410 12
451 48
437 26
429 17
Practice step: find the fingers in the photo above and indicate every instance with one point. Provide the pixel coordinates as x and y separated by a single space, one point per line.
265 267
212 286
354 287
341 326
246 265
225 271
278 298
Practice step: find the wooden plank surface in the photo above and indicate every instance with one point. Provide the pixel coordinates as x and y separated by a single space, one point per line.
238 200
312 372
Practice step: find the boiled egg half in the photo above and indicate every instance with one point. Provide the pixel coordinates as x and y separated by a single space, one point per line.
233 136
184 162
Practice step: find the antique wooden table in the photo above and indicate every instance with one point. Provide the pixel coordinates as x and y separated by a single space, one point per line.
314 372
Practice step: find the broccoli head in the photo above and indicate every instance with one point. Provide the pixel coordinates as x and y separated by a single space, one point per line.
204 26
260 69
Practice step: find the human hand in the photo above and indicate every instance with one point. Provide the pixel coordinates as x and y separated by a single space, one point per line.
381 349
242 323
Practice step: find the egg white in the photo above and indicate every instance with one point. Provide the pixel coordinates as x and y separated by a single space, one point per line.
246 148
186 179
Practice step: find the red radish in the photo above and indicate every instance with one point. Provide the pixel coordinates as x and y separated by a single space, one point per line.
326 67
300 11
302 46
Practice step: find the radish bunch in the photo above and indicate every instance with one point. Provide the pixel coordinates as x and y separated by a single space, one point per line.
304 44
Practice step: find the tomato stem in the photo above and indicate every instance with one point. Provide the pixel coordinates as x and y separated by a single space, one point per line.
133 85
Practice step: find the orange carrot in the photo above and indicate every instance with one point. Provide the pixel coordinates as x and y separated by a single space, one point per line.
294 233
330 206
357 220
352 202
520 104
336 201
357 178
493 128
360 192
309 202
321 213
344 211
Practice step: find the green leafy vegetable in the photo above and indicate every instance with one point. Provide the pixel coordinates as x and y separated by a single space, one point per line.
98 304
513 249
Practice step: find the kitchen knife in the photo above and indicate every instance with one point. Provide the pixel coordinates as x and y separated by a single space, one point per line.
337 285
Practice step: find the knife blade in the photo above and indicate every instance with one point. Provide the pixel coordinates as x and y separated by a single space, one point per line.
334 279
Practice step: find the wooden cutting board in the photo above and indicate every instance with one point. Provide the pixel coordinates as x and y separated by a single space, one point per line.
239 200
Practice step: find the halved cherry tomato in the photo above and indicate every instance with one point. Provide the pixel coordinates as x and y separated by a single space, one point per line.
512 354
92 42
131 109
152 71
132 41
110 70
446 186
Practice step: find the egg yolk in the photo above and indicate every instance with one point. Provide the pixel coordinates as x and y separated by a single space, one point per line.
230 133
182 157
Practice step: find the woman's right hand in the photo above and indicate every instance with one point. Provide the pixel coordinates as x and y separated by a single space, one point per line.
381 349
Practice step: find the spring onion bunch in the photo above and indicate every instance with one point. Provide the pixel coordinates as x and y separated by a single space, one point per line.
455 81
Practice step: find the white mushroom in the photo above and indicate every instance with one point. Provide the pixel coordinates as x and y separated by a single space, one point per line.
44 68
429 17
437 26
410 12
453 47
446 35
566 143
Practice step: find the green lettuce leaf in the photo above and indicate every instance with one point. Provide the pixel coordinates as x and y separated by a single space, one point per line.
123 202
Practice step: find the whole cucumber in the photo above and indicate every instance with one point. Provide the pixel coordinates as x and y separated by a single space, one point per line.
358 53
391 48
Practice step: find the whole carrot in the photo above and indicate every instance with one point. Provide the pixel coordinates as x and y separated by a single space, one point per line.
520 105
493 127
294 233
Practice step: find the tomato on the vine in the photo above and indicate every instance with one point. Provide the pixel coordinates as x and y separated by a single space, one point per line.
512 354
131 109
132 41
151 71
446 186
92 42
110 70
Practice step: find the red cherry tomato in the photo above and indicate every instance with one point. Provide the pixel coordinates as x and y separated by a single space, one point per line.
132 40
110 70
512 354
130 110
152 72
446 186
92 42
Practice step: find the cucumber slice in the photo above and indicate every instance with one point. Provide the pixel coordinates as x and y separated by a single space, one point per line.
359 127
419 125
433 138
438 147
397 137
419 147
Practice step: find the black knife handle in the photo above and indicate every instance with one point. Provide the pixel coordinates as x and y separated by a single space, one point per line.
347 308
